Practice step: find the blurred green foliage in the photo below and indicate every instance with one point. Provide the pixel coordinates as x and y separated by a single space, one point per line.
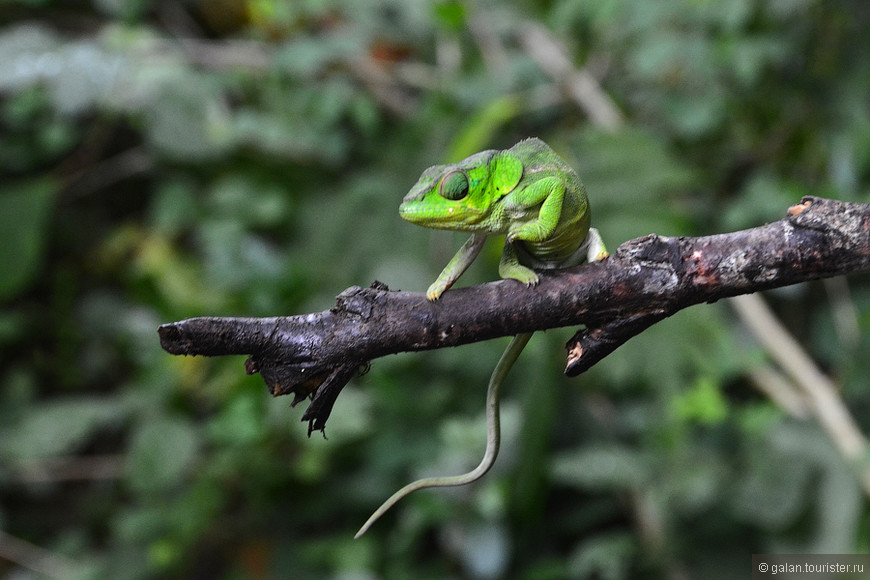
162 160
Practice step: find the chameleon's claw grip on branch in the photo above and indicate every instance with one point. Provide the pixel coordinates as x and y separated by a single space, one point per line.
493 436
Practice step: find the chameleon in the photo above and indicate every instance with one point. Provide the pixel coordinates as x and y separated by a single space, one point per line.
531 196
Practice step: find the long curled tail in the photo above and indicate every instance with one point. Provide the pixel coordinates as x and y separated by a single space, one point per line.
493 436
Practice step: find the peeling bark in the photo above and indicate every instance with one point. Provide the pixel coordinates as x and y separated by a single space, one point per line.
646 280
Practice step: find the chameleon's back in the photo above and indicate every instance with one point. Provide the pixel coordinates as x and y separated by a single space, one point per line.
563 248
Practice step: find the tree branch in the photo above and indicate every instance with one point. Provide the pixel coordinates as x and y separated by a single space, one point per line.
646 280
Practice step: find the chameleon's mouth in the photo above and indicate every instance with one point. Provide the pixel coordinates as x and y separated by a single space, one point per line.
416 212
411 207
444 217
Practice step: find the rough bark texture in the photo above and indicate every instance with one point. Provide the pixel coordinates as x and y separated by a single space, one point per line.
646 280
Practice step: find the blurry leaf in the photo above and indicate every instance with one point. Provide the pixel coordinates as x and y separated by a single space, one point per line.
704 403
235 259
673 352
333 101
274 16
692 116
365 114
479 130
602 467
116 327
58 427
450 14
35 134
289 138
178 279
241 421
772 492
604 556
764 199
483 549
21 110
308 56
250 201
633 181
185 117
704 474
353 558
20 47
163 553
751 57
833 493
25 208
78 74
161 453
174 207
129 10
757 419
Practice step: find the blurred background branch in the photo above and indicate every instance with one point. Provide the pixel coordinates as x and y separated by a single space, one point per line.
816 391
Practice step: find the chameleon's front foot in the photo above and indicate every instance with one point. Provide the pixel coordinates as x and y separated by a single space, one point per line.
436 289
510 267
454 269
520 273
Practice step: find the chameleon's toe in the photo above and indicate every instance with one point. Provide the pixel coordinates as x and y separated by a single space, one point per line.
515 271
435 291
529 278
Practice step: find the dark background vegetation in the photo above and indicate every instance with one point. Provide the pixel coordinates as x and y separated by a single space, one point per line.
162 160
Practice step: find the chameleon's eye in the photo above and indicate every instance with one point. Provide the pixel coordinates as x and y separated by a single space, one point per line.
454 186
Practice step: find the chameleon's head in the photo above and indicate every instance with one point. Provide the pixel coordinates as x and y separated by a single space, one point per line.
461 196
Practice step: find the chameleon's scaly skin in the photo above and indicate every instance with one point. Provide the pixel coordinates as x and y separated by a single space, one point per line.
529 194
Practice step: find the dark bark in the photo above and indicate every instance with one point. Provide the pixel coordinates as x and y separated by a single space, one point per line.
646 280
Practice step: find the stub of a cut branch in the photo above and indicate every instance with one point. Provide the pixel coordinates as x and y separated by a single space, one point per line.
646 280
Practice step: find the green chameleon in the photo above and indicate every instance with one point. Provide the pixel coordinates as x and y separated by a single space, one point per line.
530 195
